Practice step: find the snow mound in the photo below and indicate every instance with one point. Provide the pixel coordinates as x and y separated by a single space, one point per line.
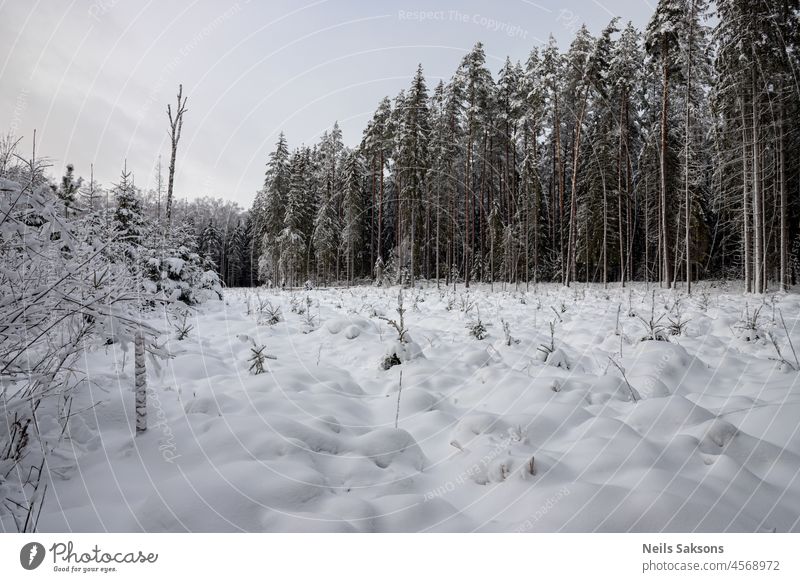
386 446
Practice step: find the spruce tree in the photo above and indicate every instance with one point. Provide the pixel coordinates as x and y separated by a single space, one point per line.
269 208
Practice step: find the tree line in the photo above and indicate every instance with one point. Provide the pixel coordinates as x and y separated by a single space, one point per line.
665 155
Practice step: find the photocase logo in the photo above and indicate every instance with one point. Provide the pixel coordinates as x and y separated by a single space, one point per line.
31 555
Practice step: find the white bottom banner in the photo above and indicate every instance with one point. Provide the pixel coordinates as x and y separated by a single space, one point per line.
355 557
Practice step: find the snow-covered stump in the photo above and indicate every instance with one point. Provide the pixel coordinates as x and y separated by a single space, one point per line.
141 383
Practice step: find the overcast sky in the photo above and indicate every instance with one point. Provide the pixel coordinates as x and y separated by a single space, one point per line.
93 77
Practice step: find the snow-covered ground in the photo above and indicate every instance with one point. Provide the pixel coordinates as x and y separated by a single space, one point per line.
703 435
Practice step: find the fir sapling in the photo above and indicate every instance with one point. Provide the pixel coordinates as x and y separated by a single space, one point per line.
258 358
399 324
478 329
181 325
269 314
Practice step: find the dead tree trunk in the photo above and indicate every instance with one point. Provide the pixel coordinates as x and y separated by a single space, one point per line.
175 126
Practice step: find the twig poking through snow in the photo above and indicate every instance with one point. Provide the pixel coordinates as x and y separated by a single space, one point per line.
624 377
399 392
791 345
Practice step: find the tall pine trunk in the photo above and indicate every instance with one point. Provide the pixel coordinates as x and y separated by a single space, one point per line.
758 242
748 279
571 271
666 273
687 194
559 169
620 162
784 240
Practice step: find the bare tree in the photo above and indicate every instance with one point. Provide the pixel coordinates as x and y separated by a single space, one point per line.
175 126
159 188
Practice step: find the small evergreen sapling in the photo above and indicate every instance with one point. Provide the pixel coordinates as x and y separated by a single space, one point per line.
403 340
478 329
258 358
398 324
182 327
269 314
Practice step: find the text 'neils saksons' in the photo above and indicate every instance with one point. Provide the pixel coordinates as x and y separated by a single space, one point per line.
663 548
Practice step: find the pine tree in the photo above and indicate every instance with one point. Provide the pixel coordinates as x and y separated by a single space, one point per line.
269 209
534 209
663 45
509 98
129 222
236 247
211 245
68 189
331 152
91 192
552 74
476 86
376 145
354 225
292 240
626 76
412 168
578 66
441 181
248 250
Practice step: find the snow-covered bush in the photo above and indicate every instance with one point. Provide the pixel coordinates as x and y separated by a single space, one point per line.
60 294
177 272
